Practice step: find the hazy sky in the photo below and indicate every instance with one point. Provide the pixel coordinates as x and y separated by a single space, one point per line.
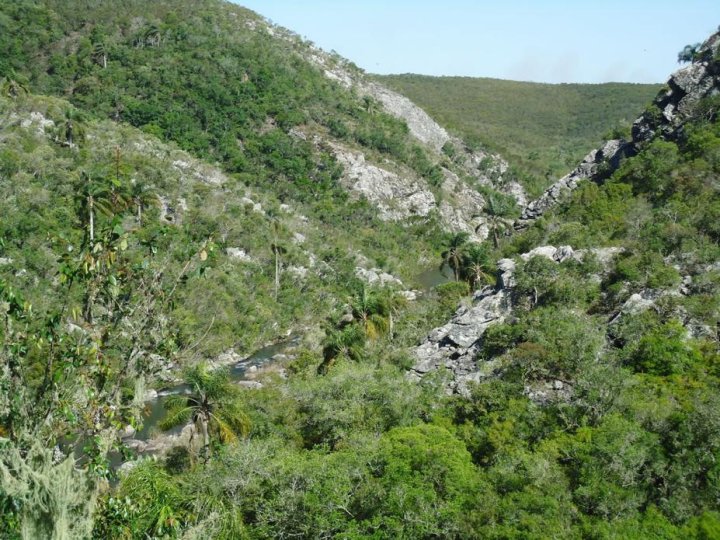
541 40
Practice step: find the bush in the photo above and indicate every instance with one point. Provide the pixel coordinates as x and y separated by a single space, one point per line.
665 351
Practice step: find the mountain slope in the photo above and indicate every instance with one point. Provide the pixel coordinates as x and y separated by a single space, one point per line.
616 329
586 376
543 129
229 87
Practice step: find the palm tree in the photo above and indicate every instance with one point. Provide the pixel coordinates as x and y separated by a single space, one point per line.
369 104
452 256
93 197
345 341
496 211
371 309
369 318
11 87
476 267
100 53
142 196
152 35
213 405
277 250
72 130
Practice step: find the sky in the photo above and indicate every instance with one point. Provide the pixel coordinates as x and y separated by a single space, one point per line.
543 40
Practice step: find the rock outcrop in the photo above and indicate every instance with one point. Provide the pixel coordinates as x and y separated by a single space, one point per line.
665 118
399 193
395 190
454 347
421 126
677 103
596 166
396 196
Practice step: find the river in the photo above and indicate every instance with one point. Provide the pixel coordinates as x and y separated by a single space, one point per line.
155 408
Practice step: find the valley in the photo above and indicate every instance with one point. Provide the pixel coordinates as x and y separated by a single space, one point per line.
249 291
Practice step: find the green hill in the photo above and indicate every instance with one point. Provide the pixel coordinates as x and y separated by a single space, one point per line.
172 198
542 129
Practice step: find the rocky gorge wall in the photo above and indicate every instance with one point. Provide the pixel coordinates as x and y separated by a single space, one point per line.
670 109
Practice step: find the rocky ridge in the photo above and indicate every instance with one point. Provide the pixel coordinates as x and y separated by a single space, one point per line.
664 118
397 192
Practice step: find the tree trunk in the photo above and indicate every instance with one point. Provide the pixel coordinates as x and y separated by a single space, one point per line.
277 273
139 214
89 302
92 220
206 437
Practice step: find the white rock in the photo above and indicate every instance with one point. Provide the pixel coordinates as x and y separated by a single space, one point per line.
636 303
127 432
298 271
506 269
238 254
376 276
410 296
396 197
542 251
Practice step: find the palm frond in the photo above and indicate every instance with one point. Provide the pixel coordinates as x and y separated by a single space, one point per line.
176 417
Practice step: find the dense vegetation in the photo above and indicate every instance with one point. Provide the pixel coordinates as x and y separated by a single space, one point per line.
205 76
360 452
544 130
117 267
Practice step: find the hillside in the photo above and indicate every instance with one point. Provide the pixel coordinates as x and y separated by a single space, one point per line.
542 129
232 89
183 183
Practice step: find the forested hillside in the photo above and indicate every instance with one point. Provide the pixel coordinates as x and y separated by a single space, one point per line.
543 129
182 183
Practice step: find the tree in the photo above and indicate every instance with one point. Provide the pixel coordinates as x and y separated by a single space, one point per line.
93 197
11 87
497 211
452 256
72 130
370 316
64 388
277 250
476 267
688 53
665 351
100 53
371 309
347 341
142 196
212 405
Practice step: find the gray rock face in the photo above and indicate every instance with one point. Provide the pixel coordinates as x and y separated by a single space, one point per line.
596 166
396 197
672 107
421 126
397 192
454 347
238 254
399 195
461 209
676 103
